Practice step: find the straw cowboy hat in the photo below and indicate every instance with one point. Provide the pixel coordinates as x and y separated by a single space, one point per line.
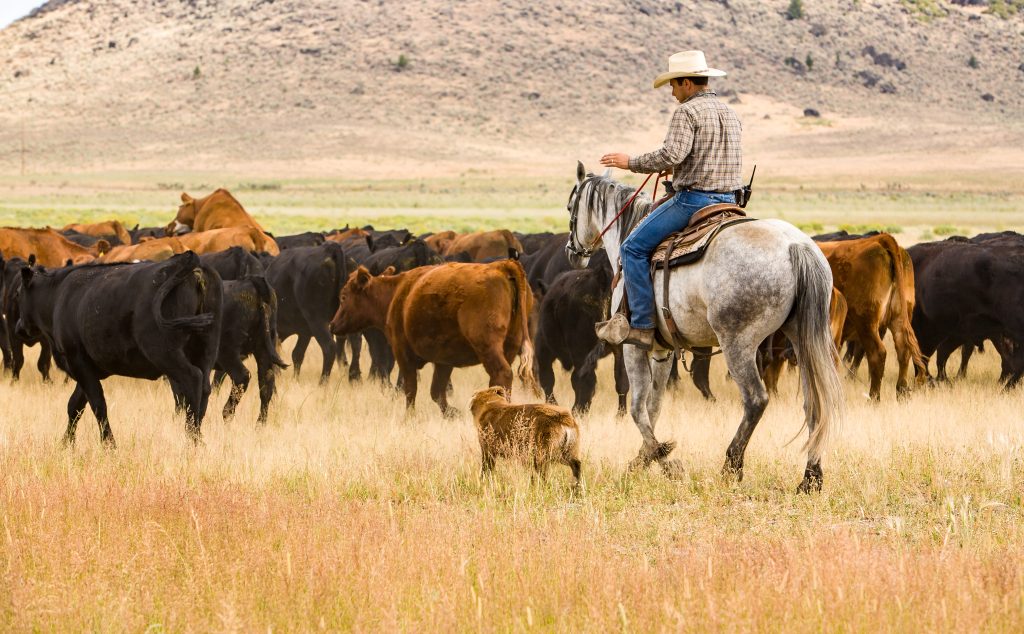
687 64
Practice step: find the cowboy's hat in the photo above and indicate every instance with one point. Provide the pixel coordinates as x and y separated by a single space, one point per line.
687 64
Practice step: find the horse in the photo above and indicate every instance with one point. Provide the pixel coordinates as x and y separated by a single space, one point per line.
754 278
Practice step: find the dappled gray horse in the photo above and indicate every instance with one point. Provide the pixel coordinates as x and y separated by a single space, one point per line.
755 278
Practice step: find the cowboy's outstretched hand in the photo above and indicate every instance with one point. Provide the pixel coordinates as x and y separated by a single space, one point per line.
618 160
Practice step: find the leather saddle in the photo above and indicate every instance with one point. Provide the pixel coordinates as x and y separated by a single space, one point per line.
688 246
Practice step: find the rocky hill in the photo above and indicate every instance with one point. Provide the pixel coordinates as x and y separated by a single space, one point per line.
361 85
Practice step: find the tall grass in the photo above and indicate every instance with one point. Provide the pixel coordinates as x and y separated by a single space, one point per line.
345 512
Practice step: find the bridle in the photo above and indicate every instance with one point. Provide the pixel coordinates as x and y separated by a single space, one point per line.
573 246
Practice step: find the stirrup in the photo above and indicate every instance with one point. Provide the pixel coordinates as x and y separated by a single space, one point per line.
613 331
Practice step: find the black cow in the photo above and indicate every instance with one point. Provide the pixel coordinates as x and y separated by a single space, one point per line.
14 341
307 239
575 301
145 320
86 240
533 241
386 238
234 263
307 281
968 292
138 233
842 235
249 327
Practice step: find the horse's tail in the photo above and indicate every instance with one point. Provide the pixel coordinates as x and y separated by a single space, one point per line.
815 349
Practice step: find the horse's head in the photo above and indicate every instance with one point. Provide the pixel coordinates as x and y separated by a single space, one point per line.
583 229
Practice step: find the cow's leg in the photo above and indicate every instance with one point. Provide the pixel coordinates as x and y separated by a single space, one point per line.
326 342
497 366
187 381
621 379
43 364
702 372
407 370
299 352
76 407
239 383
545 360
874 349
584 376
17 358
942 353
439 390
266 380
355 373
94 392
966 351
382 358
904 355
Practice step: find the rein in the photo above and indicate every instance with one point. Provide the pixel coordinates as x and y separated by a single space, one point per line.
623 210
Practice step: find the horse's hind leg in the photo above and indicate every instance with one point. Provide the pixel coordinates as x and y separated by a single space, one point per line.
741 357
641 383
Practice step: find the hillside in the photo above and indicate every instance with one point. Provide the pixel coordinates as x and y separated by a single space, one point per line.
365 88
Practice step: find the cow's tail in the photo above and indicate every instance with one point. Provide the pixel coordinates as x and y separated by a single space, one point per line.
186 267
816 352
268 317
903 312
522 303
336 258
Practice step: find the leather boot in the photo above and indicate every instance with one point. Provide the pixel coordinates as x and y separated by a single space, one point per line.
642 338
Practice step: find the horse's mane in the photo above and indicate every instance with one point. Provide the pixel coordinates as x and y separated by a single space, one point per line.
607 194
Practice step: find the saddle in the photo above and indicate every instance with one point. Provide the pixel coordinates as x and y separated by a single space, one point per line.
688 246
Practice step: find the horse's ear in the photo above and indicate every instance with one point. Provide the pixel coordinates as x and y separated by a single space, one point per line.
607 173
581 172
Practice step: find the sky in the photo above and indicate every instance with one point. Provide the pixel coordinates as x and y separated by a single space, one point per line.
11 10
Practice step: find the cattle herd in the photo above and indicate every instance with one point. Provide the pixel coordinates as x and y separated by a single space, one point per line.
213 287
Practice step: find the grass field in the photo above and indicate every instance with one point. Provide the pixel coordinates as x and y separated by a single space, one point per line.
916 210
344 513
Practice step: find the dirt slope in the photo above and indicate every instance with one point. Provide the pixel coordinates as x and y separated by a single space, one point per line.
365 87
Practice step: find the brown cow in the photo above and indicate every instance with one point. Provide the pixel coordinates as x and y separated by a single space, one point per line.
348 235
102 230
545 433
440 241
451 315
779 347
219 210
215 240
153 250
483 245
875 276
49 247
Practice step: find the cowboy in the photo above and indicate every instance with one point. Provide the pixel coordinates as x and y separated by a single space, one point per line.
702 148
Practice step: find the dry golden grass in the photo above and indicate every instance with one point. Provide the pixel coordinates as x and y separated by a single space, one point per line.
345 514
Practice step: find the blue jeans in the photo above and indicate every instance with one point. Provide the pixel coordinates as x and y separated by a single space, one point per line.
645 237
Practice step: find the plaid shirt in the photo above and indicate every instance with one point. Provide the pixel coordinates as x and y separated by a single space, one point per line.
702 147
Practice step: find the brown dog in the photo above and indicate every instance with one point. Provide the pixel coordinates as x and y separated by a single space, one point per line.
545 432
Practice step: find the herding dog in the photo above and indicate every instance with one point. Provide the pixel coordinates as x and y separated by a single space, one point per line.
547 432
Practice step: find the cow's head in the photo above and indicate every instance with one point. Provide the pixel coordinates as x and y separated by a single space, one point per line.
186 217
358 308
27 326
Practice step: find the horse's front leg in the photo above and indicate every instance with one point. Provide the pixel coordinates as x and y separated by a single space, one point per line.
661 363
642 384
